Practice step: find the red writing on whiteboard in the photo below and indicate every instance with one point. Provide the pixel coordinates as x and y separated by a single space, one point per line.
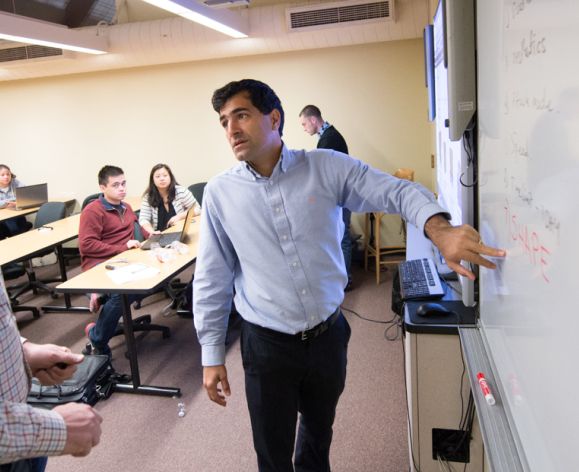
529 241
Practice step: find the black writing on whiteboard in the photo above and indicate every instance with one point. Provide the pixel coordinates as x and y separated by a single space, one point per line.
523 195
518 146
517 7
531 45
538 102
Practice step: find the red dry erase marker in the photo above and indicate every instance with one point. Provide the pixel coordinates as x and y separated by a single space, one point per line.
484 386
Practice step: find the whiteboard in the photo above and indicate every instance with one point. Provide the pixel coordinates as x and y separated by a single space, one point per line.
528 96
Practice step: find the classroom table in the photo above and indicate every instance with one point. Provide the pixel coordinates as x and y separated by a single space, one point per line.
134 202
22 246
98 280
7 213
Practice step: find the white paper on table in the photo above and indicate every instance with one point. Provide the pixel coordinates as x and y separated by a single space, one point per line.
131 273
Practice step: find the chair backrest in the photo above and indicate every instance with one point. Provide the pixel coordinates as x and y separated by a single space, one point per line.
50 212
197 191
138 233
89 199
405 173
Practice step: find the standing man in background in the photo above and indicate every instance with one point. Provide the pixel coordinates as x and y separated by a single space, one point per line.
313 123
330 138
270 236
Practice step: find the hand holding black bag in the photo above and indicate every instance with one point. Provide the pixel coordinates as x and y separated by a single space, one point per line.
93 380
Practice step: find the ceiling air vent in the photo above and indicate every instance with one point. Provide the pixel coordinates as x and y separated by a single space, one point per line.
328 14
25 53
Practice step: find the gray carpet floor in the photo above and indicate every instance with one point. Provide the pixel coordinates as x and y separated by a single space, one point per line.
145 433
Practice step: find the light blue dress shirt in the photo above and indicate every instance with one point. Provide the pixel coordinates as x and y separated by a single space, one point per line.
277 240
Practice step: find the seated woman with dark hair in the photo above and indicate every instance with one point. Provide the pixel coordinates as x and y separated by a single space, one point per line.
8 182
165 202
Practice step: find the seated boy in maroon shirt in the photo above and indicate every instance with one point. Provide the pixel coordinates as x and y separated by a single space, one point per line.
107 228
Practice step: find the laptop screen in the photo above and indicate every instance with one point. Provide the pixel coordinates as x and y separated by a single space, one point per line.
188 219
31 196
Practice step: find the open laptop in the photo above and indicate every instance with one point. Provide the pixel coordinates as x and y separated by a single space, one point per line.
30 196
164 239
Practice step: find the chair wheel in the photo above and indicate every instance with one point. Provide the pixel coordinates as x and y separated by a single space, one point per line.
15 302
166 334
54 295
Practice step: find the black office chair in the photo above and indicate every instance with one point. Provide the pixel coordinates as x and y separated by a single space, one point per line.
89 199
12 271
72 253
20 225
48 213
197 191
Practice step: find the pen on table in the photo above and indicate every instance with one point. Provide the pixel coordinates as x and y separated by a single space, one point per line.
484 386
110 265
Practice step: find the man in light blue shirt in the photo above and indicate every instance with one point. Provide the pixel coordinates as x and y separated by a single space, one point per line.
270 235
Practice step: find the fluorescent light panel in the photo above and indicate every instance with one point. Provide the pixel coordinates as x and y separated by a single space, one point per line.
223 21
30 31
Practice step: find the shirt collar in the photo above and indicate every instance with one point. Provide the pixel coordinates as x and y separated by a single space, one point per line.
283 164
324 127
109 206
287 159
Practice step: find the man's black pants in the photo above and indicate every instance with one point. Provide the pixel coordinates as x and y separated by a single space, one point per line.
285 375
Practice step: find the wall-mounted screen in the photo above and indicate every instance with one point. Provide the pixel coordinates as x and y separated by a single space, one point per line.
428 37
455 164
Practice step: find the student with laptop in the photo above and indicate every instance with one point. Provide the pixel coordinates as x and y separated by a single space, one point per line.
165 202
107 228
8 185
165 239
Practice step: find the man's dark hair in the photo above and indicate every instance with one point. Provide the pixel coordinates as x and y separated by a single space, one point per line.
311 110
109 171
261 95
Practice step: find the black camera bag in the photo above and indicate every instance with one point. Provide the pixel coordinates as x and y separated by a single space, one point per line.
92 381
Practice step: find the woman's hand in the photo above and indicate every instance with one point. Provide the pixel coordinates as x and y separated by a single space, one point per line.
174 220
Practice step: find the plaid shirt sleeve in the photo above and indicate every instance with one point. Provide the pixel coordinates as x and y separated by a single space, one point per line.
24 431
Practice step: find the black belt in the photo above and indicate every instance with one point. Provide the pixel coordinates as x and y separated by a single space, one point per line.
306 335
319 328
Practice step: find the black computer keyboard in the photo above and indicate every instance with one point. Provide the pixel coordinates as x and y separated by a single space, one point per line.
419 279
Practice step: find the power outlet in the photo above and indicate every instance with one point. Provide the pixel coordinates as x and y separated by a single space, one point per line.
450 445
